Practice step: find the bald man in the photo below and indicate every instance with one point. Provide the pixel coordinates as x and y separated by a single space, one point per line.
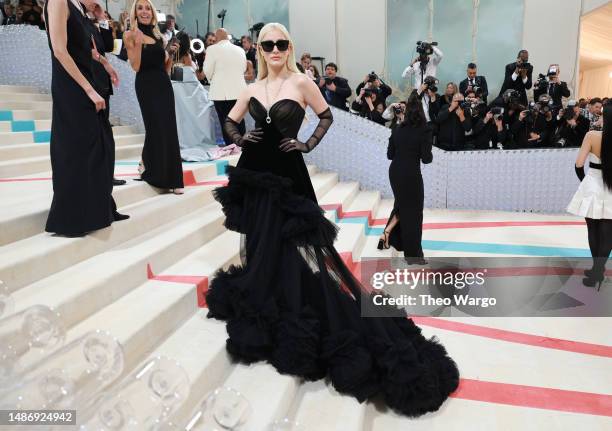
224 67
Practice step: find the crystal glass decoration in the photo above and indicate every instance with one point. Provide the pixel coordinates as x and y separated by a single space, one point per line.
25 338
71 377
144 400
222 409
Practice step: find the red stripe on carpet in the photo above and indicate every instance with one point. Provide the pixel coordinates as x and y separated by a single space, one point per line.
448 225
485 224
211 183
516 337
23 180
188 178
200 282
535 397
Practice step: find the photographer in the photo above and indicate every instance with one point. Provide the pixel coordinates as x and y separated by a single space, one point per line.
170 31
475 109
395 113
572 126
8 16
535 125
453 124
511 108
518 76
474 82
551 85
368 105
251 53
428 93
592 112
423 66
426 64
384 90
335 90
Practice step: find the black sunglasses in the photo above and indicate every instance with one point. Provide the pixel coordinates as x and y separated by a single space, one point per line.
268 45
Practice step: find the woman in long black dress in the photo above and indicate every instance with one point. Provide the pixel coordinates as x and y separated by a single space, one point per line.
409 145
80 144
289 301
161 154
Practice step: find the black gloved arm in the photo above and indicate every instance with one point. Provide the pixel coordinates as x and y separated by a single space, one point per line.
325 121
579 172
232 129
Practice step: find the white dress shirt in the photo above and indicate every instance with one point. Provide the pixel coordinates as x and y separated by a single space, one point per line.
169 34
430 70
419 76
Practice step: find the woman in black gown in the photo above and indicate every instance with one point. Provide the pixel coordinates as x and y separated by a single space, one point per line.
80 141
289 301
409 145
161 154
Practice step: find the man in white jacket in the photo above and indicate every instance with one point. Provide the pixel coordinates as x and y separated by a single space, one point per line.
421 67
224 67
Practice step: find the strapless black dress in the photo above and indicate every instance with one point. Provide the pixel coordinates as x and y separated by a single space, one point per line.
294 303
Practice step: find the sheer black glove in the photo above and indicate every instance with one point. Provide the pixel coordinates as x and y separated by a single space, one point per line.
579 172
232 129
291 144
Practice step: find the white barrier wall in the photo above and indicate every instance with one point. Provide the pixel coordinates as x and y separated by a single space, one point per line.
538 180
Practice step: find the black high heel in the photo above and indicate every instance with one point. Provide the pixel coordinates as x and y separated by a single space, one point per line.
593 281
384 244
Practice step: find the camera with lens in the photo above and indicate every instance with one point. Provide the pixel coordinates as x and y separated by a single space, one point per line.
431 83
328 80
542 82
526 65
532 111
425 48
498 112
545 104
372 77
511 97
472 106
398 109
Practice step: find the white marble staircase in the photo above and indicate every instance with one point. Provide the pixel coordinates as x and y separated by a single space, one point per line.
114 280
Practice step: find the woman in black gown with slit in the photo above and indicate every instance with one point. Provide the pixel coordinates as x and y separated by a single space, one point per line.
161 154
293 302
409 145
80 141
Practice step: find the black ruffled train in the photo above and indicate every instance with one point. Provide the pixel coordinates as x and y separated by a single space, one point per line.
295 304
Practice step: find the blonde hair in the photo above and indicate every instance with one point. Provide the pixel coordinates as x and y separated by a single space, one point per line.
262 66
134 19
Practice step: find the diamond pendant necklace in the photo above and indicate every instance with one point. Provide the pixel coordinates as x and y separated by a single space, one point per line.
268 119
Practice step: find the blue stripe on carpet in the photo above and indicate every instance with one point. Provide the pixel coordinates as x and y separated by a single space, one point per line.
220 164
475 247
126 163
6 115
23 126
42 136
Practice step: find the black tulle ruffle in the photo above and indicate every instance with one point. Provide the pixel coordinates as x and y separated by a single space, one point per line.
294 304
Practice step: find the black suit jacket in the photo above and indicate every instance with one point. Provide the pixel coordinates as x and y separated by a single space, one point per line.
480 82
384 92
517 85
557 92
338 97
